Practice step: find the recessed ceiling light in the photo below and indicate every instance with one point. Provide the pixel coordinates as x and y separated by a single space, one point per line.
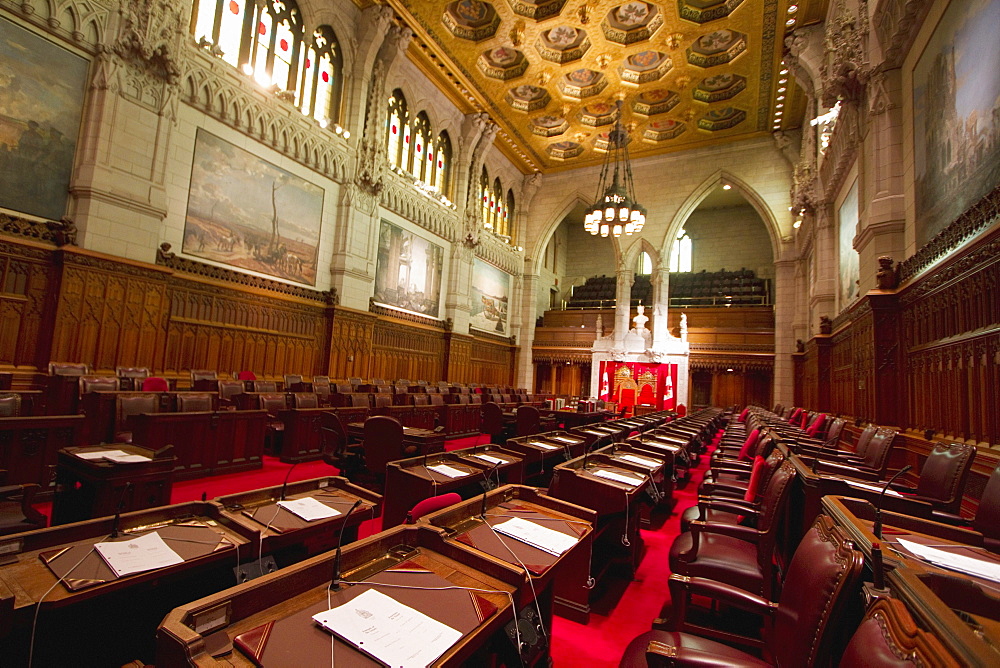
778 112
790 22
782 89
784 70
783 80
792 9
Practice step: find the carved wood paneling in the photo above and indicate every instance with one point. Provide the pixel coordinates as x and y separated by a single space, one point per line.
351 344
406 351
25 282
460 358
493 362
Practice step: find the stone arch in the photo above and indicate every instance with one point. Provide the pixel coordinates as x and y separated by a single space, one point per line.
630 255
569 202
701 192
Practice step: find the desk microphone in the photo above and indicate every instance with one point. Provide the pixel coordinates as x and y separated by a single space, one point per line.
118 510
284 485
335 583
877 526
486 487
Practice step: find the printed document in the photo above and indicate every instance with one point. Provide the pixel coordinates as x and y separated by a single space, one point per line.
544 538
449 471
101 454
641 461
384 628
309 509
490 459
618 477
988 570
135 555
544 446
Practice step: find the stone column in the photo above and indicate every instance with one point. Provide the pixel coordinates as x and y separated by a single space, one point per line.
623 300
784 334
661 306
524 372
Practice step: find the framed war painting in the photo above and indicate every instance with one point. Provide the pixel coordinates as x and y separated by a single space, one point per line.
848 262
42 90
249 213
408 271
490 297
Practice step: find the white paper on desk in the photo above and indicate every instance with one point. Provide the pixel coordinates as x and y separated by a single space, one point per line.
491 460
309 509
641 461
384 628
135 555
125 458
449 471
873 488
544 446
101 454
544 538
988 570
565 439
618 477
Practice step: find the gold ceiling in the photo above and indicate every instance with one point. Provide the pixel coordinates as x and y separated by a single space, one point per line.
691 72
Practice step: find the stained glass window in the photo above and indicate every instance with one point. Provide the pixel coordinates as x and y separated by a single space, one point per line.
680 253
397 119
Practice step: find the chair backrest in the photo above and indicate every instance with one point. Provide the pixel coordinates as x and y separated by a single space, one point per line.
272 402
822 576
360 400
771 513
834 431
475 398
194 403
344 388
306 400
68 369
464 398
436 400
354 380
230 388
265 386
529 421
944 474
130 377
321 385
877 455
383 442
864 440
987 520
888 637
246 375
10 404
492 419
203 374
421 399
98 384
135 404
432 504
155 384
292 379
382 400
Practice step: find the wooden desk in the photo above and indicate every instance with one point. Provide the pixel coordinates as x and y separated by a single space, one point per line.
424 440
290 539
511 473
101 411
617 539
541 453
28 446
460 419
571 419
302 439
657 467
205 443
960 610
112 622
402 555
89 488
417 417
409 481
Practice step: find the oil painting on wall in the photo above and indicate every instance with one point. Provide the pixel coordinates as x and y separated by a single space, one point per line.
490 295
847 218
956 115
41 98
248 213
408 271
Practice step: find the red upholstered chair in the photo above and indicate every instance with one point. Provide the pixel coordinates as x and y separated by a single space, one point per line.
888 637
803 628
433 504
246 375
16 512
681 410
740 556
155 384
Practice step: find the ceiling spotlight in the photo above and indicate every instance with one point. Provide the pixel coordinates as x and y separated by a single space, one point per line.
347 134
782 89
323 122
783 81
778 112
726 186
784 70
792 9
797 224
790 22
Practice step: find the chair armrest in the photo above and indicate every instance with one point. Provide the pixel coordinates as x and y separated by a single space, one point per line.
735 506
733 466
664 654
950 518
710 489
8 491
736 531
726 593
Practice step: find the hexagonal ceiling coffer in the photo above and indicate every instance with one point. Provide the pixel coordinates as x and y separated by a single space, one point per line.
564 150
582 83
502 63
471 19
631 22
656 101
527 97
597 114
562 44
703 11
548 125
716 48
645 66
723 86
722 119
536 9
663 129
602 142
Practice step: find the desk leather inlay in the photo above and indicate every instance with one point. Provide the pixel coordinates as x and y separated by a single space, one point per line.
278 519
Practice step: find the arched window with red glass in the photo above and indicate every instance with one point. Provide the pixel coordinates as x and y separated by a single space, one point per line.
420 138
321 81
509 216
394 131
441 178
496 206
486 197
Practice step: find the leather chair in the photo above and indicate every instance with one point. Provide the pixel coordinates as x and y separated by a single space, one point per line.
803 628
872 466
809 447
130 377
264 386
98 384
228 391
942 480
336 449
247 375
16 511
194 403
529 421
293 383
722 502
888 637
431 505
382 400
306 400
493 423
129 405
383 443
68 369
344 388
740 556
359 400
10 404
155 384
203 380
321 386
272 403
421 399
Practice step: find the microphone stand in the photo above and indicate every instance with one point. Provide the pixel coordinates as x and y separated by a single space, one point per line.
118 511
335 582
284 485
486 489
877 526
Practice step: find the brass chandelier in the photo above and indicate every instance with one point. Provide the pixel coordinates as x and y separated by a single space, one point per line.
615 209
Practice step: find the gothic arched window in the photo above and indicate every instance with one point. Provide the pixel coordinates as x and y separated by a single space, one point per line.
645 265
509 215
487 197
397 121
421 135
680 253
442 165
320 83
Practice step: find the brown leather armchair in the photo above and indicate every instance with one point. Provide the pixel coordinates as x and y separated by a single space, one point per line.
203 380
10 404
889 632
712 499
293 383
273 402
803 628
530 421
871 466
98 384
264 386
16 511
321 386
229 390
130 377
383 443
337 451
306 400
493 423
129 405
68 369
200 402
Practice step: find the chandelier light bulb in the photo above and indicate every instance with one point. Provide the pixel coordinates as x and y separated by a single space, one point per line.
617 230
604 230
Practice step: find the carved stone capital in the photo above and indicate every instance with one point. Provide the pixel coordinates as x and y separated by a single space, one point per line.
845 69
151 32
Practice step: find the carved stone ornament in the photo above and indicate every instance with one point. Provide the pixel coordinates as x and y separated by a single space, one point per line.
825 325
471 240
64 232
845 70
803 193
151 32
800 347
886 276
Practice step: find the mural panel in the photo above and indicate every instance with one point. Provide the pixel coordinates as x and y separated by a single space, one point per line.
41 99
847 219
248 213
490 296
408 271
956 115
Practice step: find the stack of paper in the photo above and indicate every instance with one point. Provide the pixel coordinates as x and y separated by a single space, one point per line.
870 487
449 471
566 439
117 456
135 555
309 509
641 461
536 535
618 477
491 459
544 446
981 568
